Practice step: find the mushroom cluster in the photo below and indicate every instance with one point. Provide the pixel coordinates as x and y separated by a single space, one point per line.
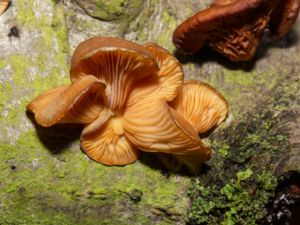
132 97
235 28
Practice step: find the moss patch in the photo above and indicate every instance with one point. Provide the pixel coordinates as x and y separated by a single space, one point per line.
111 10
239 201
72 189
155 23
44 176
239 180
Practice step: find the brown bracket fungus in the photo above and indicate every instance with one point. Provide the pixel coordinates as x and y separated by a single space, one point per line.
235 28
3 6
131 97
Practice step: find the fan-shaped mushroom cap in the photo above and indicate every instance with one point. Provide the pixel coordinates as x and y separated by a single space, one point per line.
153 126
107 144
201 105
149 122
283 17
234 29
166 83
3 6
204 108
79 103
116 62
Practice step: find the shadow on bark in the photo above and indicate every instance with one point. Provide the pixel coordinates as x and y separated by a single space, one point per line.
207 54
58 137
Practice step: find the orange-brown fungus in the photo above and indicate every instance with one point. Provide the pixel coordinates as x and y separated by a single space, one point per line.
131 97
235 28
3 6
283 17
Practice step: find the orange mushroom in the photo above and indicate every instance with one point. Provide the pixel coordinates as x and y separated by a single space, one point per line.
204 108
3 6
121 93
235 28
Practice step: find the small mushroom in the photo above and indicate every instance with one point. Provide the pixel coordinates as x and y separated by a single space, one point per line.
235 28
104 71
125 95
3 6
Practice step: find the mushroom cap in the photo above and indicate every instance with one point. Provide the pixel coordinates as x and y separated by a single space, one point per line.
3 6
107 140
79 103
149 123
118 63
223 21
166 82
104 142
203 108
283 17
201 105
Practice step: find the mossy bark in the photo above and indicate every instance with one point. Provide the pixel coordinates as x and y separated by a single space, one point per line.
44 176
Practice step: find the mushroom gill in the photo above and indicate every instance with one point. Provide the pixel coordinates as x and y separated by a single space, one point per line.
201 105
131 97
204 108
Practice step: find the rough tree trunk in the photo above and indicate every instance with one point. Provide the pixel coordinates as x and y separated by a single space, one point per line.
44 176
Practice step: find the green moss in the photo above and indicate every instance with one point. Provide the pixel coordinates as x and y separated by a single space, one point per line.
12 94
236 202
20 64
238 77
165 37
242 86
112 10
3 64
52 29
223 149
25 13
68 186
240 180
17 93
60 31
33 75
5 95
